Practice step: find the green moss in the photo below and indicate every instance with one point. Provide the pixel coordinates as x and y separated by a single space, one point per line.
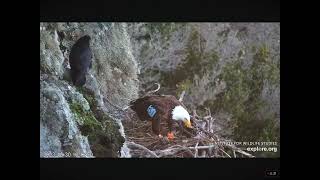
106 141
91 100
89 96
263 54
102 131
86 118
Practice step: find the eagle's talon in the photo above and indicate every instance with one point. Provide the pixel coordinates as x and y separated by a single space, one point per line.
170 136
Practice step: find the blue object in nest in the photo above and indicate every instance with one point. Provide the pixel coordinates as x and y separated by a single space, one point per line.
151 111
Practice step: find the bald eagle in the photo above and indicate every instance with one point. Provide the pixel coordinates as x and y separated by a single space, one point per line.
157 108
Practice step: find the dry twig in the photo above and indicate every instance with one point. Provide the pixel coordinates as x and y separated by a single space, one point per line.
132 144
182 95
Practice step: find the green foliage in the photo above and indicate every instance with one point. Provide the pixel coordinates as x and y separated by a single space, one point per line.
263 54
269 131
264 66
184 86
195 63
242 98
87 95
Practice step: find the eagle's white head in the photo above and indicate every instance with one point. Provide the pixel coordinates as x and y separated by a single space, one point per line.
181 114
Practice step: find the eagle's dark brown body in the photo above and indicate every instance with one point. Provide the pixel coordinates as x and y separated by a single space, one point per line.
163 105
80 60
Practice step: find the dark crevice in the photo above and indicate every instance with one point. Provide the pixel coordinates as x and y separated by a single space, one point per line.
61 36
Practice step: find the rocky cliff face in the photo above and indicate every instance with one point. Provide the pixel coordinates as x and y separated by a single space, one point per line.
231 68
85 121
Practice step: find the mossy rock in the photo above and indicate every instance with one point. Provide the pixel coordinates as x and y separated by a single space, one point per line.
86 119
103 132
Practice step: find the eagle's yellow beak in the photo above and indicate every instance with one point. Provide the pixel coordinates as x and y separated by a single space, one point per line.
187 123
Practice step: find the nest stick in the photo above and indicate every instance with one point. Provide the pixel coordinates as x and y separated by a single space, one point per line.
172 151
225 153
132 144
201 138
196 151
153 91
182 95
244 153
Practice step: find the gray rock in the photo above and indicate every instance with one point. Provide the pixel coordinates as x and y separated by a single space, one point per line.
57 125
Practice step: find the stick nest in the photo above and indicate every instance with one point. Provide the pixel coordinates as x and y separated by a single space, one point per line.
199 141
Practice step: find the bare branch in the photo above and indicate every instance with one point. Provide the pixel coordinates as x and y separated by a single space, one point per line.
245 153
172 151
132 144
182 95
194 114
202 147
156 90
203 154
225 153
239 150
196 151
209 124
178 148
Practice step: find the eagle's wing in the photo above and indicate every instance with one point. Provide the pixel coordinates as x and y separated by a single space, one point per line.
156 125
170 124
